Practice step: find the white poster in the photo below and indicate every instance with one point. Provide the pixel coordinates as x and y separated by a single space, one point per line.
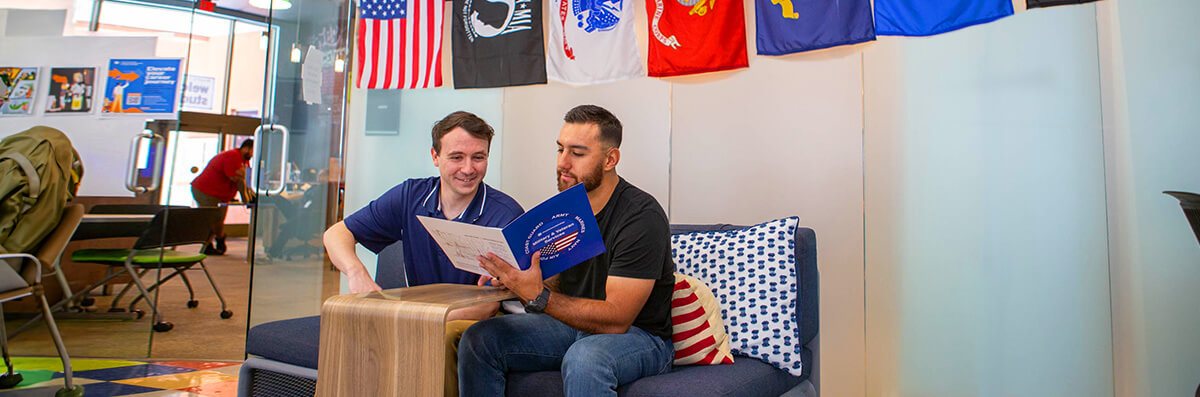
198 95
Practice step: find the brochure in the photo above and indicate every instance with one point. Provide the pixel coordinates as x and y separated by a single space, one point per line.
562 228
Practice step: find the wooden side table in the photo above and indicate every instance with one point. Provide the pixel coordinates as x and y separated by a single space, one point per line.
392 342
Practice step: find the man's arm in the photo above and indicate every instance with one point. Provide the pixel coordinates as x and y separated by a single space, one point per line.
339 243
624 297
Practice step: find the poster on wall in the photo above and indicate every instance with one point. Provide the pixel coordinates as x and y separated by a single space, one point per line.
18 90
198 93
141 86
71 91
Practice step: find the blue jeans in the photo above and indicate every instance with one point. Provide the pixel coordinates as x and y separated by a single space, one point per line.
591 365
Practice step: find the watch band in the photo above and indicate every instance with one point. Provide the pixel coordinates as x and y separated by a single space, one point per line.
538 305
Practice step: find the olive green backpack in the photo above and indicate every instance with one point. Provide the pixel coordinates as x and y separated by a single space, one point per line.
39 174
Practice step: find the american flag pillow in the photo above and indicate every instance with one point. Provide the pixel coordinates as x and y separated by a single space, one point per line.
697 330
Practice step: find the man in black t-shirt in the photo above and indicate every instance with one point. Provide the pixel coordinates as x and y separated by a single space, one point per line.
604 322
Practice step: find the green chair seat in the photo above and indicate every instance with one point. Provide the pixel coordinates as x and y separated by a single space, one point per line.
145 256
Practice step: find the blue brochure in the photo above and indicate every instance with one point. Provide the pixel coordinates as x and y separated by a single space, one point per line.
562 228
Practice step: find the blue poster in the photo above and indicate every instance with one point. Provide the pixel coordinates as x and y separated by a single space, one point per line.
142 86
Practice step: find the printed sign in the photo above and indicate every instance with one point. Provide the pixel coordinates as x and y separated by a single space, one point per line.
71 91
141 86
18 87
198 95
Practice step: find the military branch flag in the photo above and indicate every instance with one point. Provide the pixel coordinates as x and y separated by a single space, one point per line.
400 44
497 43
788 26
926 18
592 41
1051 3
695 36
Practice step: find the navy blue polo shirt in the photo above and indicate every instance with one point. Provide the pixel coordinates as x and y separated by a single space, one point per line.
393 217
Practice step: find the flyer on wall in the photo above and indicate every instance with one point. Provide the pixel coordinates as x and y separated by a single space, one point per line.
70 91
141 86
18 90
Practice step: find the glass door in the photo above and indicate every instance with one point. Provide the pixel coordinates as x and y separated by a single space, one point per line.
297 165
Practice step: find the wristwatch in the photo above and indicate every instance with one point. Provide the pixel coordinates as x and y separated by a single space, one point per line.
538 305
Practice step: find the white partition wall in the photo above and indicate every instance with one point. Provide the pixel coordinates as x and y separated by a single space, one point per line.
986 241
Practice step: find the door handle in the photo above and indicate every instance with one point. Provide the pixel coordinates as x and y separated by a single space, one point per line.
135 152
259 133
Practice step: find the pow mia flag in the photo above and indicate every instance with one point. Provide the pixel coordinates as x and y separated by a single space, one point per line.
498 43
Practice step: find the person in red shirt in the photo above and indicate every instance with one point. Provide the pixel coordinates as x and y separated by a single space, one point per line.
222 179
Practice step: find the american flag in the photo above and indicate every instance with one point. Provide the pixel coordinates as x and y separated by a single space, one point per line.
559 245
400 44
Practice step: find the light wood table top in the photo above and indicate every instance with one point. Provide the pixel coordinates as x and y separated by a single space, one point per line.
392 342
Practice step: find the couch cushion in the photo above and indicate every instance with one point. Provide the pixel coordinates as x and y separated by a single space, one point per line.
745 377
753 273
696 327
293 341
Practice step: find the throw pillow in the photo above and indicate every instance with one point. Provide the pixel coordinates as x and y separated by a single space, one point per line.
752 272
697 330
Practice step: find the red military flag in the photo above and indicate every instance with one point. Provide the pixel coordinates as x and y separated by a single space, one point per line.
400 44
695 36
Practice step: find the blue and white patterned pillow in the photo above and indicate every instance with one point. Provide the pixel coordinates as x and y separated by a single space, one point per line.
752 272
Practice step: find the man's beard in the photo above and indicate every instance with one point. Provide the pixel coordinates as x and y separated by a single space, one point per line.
590 181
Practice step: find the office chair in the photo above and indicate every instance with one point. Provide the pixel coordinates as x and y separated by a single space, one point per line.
155 250
1191 209
31 269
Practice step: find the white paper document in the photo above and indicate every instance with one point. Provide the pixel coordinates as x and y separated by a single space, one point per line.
464 243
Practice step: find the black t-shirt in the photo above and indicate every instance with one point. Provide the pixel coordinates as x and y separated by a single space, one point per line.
637 239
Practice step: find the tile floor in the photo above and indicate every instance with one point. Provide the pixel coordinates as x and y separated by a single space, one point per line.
102 378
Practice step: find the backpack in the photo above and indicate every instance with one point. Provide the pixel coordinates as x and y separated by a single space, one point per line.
39 173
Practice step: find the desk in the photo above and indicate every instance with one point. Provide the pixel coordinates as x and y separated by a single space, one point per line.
94 226
392 342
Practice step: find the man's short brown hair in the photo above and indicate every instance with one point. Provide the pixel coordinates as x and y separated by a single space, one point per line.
468 121
610 127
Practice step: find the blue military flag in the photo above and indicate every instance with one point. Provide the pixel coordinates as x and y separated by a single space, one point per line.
930 17
787 26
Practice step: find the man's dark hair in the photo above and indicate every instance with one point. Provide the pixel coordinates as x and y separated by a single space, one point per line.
249 143
610 127
469 122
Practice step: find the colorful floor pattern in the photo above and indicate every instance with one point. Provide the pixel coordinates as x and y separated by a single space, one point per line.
103 378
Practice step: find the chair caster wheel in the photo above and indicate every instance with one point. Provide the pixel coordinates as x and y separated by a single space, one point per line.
139 313
226 314
87 302
163 326
65 392
8 381
193 303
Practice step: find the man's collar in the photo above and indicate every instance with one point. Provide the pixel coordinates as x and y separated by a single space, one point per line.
432 205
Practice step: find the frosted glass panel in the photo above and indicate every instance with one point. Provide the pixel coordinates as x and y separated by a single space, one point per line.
986 242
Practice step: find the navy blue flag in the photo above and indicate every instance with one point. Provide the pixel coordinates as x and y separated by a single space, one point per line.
787 26
1051 3
930 17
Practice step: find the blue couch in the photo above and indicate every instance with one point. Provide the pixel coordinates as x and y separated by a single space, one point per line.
285 362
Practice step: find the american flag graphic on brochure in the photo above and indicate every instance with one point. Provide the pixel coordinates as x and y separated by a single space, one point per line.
560 244
399 44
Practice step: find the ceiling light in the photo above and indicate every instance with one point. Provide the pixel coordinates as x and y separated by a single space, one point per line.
272 4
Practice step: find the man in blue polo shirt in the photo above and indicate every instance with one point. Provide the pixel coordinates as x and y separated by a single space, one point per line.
461 142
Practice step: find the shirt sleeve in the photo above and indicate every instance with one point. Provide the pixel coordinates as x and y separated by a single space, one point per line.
381 222
642 247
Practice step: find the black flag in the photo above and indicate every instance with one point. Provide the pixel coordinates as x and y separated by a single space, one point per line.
498 43
1051 3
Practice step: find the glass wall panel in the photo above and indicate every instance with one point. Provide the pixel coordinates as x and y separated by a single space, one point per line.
986 241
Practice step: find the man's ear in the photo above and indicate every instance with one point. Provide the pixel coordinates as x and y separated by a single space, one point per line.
612 158
433 152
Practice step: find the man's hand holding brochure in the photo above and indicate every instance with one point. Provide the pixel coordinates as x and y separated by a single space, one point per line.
562 229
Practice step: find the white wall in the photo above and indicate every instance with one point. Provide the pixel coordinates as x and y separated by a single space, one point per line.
1151 95
103 143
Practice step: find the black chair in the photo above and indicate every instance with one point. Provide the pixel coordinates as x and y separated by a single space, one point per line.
1191 209
155 250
